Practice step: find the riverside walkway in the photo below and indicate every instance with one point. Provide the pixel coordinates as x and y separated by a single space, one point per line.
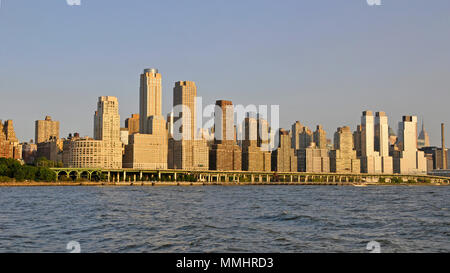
206 176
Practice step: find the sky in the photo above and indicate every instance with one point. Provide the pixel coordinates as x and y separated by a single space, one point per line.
322 61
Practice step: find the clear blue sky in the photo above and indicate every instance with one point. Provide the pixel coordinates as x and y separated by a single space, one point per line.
322 61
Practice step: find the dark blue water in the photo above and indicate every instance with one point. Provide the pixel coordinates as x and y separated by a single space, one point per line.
225 219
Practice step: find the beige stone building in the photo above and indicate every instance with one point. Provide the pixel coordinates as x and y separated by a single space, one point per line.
283 158
370 159
306 137
9 144
297 128
254 157
105 151
225 154
313 160
51 149
149 148
46 130
187 150
343 158
408 159
29 152
382 142
150 99
320 137
132 124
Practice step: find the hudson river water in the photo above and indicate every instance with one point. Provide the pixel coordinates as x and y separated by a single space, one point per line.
225 219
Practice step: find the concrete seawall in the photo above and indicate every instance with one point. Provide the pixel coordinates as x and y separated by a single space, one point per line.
199 184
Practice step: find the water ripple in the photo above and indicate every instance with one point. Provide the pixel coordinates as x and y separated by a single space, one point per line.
225 219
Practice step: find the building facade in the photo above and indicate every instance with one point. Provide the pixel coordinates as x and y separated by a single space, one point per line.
283 158
408 159
254 158
187 150
225 154
9 144
46 130
343 158
313 160
132 124
105 150
149 148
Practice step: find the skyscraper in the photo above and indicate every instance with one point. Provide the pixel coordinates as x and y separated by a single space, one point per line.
370 160
186 150
305 138
284 158
105 150
315 158
225 154
343 158
149 148
297 128
9 144
107 119
150 99
132 124
46 129
424 138
320 137
254 157
382 142
408 160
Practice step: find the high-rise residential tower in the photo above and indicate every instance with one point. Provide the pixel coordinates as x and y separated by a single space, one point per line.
315 158
320 137
46 129
150 99
343 158
408 160
297 128
254 157
284 158
370 160
186 150
107 119
132 124
105 150
149 148
305 138
382 142
225 154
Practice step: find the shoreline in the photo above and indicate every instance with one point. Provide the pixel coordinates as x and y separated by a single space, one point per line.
201 184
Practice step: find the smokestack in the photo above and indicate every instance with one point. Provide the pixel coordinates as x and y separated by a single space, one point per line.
444 166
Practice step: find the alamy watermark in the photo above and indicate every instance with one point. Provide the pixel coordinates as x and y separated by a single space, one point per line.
78 2
69 2
374 2
226 122
73 247
374 247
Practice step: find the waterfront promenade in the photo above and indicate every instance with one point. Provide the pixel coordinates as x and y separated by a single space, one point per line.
236 177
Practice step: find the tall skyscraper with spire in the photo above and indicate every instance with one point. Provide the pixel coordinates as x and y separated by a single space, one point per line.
424 138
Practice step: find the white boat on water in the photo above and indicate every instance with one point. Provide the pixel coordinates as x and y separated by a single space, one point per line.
360 185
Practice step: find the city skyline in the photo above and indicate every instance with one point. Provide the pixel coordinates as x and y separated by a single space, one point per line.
359 66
